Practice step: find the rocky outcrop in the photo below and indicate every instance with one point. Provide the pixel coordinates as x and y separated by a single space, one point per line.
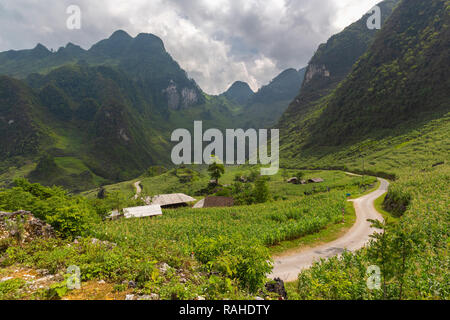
277 286
314 70
180 99
23 227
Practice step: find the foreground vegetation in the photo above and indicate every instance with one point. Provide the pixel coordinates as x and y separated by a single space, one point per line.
412 253
215 253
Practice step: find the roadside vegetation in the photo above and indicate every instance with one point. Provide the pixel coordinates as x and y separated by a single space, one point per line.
412 253
187 253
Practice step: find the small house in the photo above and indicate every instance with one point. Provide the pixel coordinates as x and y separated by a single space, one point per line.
293 180
175 200
215 202
141 212
316 180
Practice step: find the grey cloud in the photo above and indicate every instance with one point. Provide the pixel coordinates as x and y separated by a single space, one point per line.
216 42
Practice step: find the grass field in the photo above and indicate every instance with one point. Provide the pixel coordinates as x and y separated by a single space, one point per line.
171 182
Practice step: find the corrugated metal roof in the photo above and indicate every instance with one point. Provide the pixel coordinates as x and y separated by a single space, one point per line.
171 199
145 211
199 204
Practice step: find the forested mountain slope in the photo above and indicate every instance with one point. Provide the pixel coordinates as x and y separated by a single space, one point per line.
333 61
398 89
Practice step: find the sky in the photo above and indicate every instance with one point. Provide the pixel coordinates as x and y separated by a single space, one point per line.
216 41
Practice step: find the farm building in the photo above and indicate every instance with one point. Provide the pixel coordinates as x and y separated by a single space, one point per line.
315 180
172 200
293 180
141 212
215 202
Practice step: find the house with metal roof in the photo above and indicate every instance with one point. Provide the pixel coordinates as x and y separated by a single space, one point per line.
171 200
144 211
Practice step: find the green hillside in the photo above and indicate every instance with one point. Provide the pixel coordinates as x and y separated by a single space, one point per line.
393 105
332 62
265 107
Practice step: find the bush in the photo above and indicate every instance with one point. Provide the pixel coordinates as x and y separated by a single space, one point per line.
69 216
233 259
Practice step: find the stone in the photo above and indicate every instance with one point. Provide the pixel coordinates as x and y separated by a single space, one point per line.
154 296
164 267
277 286
6 279
130 297
24 227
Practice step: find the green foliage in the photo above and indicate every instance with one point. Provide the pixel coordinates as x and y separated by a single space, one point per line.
261 191
70 216
11 289
216 170
411 253
232 258
55 292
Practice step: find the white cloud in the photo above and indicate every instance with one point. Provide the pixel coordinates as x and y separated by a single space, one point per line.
216 42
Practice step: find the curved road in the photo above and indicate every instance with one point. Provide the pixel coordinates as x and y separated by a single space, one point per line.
287 268
137 185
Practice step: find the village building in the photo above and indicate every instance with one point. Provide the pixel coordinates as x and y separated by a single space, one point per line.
142 212
170 201
215 202
316 180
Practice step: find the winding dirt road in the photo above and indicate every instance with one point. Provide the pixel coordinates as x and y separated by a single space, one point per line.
137 185
287 268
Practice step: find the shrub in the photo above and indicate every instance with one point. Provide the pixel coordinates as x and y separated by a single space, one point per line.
70 216
232 258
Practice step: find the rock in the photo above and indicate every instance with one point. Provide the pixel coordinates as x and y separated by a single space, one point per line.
200 298
108 245
164 267
6 279
101 282
131 284
24 227
154 296
259 299
130 297
277 286
42 272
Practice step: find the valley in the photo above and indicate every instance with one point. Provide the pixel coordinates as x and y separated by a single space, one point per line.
358 210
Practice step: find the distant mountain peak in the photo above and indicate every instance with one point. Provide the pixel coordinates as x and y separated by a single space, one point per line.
120 34
41 48
149 39
239 92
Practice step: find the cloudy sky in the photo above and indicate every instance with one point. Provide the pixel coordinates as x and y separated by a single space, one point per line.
216 41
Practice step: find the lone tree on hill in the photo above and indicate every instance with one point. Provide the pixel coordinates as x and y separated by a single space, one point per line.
216 170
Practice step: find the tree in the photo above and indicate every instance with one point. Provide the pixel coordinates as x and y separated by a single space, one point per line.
216 170
116 200
261 191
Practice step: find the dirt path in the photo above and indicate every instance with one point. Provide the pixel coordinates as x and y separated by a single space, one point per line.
287 268
137 185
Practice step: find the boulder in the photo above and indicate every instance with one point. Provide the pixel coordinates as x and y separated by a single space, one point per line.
277 286
24 227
